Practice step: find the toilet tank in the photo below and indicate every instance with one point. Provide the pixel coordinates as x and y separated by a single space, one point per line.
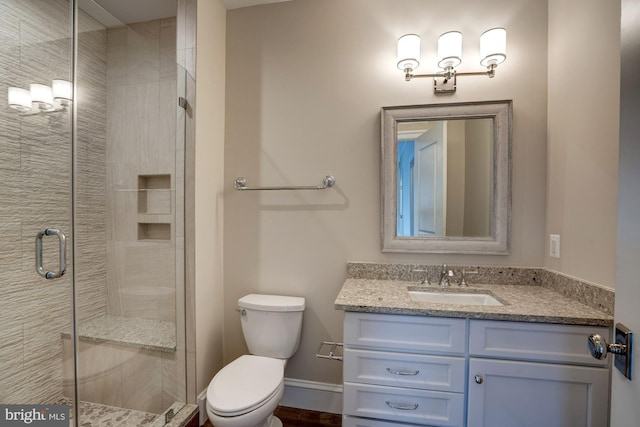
271 324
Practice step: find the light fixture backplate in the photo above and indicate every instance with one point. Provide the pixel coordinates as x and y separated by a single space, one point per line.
444 86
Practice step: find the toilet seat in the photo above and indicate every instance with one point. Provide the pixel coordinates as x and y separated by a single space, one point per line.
244 385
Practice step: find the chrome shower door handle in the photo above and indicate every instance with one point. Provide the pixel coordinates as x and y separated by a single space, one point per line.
63 253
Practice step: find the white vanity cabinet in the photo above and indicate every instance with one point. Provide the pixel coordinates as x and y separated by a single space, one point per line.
444 372
403 369
535 374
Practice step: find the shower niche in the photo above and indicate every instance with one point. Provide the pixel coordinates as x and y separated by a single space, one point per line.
154 207
154 194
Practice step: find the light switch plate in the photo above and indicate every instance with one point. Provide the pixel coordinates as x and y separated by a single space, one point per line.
622 362
554 246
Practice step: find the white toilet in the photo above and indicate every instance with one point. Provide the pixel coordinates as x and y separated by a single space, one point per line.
247 391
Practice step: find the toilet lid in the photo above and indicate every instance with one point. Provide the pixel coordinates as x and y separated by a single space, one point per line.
263 302
244 384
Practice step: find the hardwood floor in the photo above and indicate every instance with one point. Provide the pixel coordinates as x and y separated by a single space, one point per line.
294 417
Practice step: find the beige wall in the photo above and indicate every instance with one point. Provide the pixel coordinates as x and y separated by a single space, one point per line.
582 158
208 162
305 83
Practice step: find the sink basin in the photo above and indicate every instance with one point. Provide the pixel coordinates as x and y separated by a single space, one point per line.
460 298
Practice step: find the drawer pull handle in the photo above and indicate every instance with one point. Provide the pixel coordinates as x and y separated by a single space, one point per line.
402 406
400 372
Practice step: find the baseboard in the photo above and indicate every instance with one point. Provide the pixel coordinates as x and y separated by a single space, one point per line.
202 406
312 395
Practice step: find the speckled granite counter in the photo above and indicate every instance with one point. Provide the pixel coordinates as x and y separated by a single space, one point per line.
149 334
521 303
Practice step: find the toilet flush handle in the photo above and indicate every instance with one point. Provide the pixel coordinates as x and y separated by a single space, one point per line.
242 311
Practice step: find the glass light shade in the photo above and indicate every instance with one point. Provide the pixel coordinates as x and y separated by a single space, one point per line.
450 49
61 90
493 47
42 95
19 99
409 52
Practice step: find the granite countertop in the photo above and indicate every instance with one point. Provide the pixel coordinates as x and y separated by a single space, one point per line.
149 334
521 303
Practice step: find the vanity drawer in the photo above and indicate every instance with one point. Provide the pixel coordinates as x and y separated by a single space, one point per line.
543 342
438 373
404 405
348 421
400 332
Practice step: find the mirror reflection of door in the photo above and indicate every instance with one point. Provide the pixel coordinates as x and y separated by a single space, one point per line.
422 179
430 206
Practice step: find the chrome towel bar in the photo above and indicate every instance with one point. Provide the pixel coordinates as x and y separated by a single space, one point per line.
327 181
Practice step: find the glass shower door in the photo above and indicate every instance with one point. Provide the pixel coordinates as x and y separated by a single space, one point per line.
35 201
129 188
91 213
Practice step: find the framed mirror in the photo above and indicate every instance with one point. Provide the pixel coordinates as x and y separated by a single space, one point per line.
446 178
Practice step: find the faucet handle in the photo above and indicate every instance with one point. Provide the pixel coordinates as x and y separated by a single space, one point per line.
463 282
425 280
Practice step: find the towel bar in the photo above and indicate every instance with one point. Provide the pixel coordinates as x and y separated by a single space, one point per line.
328 181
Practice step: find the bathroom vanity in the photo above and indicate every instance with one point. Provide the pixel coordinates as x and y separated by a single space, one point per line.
522 363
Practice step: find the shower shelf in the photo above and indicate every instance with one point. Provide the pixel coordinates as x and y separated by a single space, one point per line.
154 194
154 231
156 335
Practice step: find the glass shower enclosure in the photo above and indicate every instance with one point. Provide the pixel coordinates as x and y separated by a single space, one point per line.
91 212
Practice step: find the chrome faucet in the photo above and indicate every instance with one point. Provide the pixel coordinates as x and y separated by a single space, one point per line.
444 276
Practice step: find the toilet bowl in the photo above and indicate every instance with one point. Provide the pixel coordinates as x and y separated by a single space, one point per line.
247 391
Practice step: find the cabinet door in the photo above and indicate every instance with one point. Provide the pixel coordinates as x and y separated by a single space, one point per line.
536 394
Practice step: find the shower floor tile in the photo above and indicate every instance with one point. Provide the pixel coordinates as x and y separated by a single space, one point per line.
96 415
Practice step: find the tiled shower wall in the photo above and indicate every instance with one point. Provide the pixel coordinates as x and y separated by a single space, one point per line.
35 193
141 169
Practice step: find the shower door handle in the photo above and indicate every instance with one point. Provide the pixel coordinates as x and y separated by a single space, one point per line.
63 253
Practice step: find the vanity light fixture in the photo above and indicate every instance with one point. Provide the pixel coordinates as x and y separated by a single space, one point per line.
493 51
19 99
40 98
61 91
